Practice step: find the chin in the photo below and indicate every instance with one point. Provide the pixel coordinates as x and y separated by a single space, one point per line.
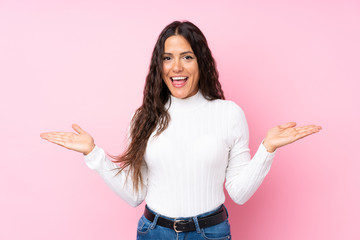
183 93
179 95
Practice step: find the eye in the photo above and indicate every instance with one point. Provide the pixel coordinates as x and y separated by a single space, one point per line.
166 58
188 57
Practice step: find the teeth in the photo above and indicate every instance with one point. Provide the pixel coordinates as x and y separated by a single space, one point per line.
178 78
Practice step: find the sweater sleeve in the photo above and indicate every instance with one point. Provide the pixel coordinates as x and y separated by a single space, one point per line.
244 176
98 161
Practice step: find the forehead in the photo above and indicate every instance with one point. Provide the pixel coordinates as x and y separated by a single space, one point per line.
176 43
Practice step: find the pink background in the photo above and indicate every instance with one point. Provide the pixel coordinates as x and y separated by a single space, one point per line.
85 62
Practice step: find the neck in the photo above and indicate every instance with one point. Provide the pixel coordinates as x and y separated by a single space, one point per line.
185 104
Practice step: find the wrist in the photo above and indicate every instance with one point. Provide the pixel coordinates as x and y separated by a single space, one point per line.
268 147
89 150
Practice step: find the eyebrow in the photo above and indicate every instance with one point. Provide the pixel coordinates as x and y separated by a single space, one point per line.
165 53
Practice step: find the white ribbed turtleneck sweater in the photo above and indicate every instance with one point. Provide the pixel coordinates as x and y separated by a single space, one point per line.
185 167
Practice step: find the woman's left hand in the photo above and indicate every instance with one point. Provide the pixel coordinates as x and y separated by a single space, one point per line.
287 133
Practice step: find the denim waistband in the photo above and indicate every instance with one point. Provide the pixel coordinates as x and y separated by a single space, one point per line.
188 218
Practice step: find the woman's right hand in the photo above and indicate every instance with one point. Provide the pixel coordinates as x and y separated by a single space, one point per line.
81 142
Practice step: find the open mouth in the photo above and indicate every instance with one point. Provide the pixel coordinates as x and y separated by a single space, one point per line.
178 81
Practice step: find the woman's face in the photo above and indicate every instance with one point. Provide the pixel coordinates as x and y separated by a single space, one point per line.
180 67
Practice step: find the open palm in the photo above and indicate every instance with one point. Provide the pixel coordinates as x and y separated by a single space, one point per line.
81 142
287 133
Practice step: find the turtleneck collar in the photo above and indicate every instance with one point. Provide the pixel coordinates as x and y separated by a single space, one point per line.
186 104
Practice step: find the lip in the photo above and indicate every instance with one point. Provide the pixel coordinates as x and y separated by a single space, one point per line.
179 83
171 78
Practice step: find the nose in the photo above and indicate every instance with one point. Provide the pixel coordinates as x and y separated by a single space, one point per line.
177 67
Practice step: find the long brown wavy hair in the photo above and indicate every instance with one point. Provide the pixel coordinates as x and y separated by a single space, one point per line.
152 114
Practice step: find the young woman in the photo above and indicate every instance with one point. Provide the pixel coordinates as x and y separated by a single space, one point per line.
185 140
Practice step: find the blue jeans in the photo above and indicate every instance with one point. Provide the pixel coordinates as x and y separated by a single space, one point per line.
147 230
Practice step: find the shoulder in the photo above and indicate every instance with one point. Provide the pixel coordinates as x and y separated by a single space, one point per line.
232 115
228 107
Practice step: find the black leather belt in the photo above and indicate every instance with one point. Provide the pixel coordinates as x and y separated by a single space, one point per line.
189 225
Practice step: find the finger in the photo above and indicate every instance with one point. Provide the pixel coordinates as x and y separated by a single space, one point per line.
304 127
62 137
308 127
78 129
287 125
58 141
55 134
303 134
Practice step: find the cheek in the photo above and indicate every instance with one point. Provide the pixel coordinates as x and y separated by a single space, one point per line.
164 76
196 73
195 69
165 71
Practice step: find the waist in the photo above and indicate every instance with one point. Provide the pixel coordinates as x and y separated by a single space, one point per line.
186 224
183 217
178 205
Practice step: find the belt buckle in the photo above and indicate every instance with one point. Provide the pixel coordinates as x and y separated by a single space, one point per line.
174 225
